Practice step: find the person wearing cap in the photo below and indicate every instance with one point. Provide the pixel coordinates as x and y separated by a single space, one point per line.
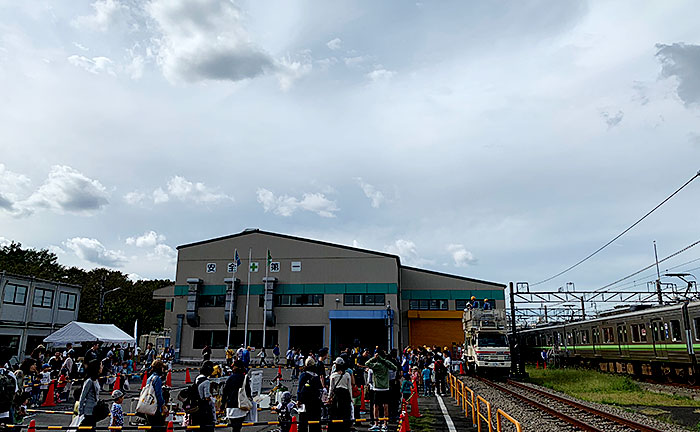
487 305
229 397
339 401
116 415
309 395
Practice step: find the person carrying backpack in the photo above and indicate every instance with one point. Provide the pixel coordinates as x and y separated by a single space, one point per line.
229 398
205 415
309 395
8 389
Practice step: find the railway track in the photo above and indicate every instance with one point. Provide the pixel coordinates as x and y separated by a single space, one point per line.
573 413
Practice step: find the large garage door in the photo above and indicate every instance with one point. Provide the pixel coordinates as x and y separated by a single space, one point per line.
440 332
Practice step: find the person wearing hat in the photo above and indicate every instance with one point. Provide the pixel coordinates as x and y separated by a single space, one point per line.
487 305
309 395
339 400
116 415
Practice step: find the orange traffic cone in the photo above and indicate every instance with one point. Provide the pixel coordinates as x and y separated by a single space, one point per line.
170 427
415 412
188 380
118 382
50 402
537 366
145 378
461 368
279 371
362 400
293 428
169 379
32 426
544 365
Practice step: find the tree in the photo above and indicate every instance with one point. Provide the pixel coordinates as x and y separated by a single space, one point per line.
133 301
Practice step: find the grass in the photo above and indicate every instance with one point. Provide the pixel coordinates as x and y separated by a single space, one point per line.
426 423
610 389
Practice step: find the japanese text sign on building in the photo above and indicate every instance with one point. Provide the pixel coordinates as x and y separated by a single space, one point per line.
211 267
254 267
296 266
274 267
231 267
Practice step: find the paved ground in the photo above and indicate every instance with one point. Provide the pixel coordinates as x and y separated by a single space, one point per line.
432 421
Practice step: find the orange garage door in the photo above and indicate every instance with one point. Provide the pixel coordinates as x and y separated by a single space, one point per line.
430 330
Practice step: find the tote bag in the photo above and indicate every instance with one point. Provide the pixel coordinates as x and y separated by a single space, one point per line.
244 404
147 400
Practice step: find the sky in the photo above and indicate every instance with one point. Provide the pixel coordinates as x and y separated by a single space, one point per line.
501 141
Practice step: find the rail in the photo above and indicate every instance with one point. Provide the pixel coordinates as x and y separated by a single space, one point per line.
470 403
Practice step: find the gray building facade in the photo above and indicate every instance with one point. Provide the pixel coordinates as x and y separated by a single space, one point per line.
31 309
314 294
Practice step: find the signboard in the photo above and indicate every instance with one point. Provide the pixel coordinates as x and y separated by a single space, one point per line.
211 267
296 266
275 267
231 268
256 379
254 267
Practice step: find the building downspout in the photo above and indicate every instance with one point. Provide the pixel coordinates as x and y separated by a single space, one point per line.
399 301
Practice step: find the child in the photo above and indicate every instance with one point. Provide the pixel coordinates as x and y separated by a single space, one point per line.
284 411
76 395
427 381
45 381
116 415
406 387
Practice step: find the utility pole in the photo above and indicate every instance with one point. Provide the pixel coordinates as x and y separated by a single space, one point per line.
658 277
515 355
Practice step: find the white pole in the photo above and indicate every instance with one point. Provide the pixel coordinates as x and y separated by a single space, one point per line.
267 267
230 304
247 297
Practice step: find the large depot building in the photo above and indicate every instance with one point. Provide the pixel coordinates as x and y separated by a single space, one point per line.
315 294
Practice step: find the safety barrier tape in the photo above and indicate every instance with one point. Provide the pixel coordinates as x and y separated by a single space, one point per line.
219 425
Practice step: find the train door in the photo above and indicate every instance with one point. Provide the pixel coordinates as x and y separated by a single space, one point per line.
622 340
595 339
657 332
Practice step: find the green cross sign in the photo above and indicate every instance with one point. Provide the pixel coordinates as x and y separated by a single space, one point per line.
254 267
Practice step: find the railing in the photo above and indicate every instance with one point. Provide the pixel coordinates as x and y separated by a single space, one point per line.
471 404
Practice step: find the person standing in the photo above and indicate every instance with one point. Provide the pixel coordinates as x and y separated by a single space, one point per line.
245 357
206 353
156 380
91 393
263 355
229 356
150 354
380 367
205 417
340 403
229 398
276 354
290 357
309 395
116 414
92 353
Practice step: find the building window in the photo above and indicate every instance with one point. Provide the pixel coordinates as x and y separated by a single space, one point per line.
299 300
43 298
214 338
169 306
66 301
363 300
434 304
461 304
212 300
15 294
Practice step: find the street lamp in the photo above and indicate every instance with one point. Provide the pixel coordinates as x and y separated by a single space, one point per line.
103 293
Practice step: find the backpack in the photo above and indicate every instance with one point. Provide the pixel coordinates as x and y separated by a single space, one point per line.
309 389
7 390
189 397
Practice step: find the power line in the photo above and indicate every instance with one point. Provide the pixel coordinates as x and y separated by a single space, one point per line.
621 234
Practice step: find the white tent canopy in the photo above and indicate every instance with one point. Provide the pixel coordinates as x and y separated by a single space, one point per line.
76 331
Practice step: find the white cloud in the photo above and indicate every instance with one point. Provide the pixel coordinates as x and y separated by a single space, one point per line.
163 251
106 13
95 65
682 61
134 197
376 196
80 46
612 120
291 70
205 40
135 277
380 74
148 239
184 190
93 251
334 44
285 205
67 190
160 196
4 241
461 256
355 61
12 185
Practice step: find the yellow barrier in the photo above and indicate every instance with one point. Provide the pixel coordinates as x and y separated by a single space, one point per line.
473 405
500 413
481 416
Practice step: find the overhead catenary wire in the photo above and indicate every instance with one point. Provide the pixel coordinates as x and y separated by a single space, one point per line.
619 235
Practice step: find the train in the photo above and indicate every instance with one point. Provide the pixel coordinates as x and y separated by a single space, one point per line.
657 342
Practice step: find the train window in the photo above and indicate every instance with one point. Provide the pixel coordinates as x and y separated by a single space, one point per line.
569 339
675 330
596 335
697 329
577 337
621 334
584 336
643 332
608 336
635 332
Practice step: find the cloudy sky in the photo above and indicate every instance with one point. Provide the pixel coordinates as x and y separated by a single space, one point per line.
496 140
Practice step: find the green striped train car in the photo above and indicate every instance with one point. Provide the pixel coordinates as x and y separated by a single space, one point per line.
661 342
